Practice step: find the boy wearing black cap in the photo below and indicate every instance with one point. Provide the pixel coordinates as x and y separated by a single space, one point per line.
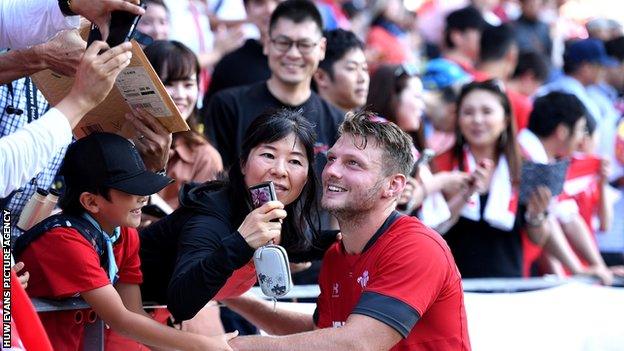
91 249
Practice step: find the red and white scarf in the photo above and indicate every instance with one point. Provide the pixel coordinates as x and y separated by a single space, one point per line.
502 204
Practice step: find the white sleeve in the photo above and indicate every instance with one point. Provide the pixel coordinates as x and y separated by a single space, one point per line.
26 152
25 23
564 210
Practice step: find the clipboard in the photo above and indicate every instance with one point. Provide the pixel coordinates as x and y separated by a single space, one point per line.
137 85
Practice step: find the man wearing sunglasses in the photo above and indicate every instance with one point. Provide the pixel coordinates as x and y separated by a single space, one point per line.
294 48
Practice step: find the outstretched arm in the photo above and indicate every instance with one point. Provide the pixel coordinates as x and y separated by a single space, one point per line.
261 314
360 333
107 303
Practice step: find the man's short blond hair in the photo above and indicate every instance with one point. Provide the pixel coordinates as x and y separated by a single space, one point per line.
395 143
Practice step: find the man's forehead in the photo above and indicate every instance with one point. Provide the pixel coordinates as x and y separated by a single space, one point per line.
354 55
286 27
357 145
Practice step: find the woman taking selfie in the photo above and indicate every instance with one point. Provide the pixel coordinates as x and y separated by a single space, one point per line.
203 250
484 232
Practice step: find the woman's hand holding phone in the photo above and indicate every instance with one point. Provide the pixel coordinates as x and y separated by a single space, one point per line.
480 178
258 228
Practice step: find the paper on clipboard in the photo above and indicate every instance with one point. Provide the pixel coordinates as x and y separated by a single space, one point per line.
137 85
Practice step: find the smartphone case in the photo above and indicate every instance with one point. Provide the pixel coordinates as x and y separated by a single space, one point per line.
273 270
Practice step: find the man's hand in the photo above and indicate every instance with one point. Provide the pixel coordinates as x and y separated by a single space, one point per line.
603 273
538 201
408 192
454 181
99 11
95 77
605 170
62 54
23 279
228 39
299 267
152 140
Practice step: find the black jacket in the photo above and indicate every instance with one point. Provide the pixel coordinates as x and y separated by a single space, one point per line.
188 256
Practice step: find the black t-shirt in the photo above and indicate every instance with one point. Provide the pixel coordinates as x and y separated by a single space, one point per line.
245 65
231 111
482 251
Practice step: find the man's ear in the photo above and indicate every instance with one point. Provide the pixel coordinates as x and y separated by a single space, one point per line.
395 186
242 167
322 47
89 202
456 36
322 78
562 132
265 46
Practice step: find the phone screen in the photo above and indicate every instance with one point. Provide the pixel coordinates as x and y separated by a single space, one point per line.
262 193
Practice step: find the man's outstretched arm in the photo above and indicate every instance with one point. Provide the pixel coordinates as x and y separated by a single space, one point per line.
359 333
276 322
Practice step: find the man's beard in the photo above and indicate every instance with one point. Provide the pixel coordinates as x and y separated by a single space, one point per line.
353 209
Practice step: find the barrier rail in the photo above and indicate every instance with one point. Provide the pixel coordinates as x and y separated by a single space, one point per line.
94 332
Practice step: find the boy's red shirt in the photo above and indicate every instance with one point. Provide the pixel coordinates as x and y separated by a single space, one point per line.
62 264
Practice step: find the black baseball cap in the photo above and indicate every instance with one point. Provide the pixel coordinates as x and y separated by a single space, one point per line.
588 50
468 17
109 160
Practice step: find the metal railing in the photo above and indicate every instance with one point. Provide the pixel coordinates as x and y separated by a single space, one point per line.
94 332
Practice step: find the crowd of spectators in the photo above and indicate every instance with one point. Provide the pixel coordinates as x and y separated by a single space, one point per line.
265 87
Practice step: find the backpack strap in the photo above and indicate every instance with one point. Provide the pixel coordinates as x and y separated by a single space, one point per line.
4 202
81 225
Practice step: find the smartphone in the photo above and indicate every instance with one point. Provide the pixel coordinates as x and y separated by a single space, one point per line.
121 28
262 193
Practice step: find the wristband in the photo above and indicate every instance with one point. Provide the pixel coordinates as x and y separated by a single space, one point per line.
65 6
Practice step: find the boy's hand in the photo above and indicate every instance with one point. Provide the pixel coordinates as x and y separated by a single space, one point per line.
152 140
23 279
222 341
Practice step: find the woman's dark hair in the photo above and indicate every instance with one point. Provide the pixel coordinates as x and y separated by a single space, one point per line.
506 144
384 94
173 61
271 126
